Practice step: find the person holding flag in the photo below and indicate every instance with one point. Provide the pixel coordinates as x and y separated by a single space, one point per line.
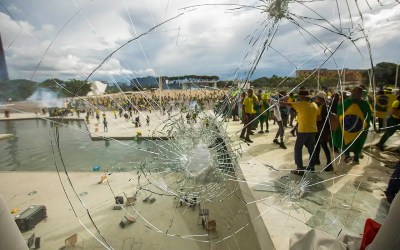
354 119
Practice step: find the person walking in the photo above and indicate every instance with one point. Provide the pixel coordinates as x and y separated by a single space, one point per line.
248 115
393 124
105 123
354 119
307 112
98 116
276 104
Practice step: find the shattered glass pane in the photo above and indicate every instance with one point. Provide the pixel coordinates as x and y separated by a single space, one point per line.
168 168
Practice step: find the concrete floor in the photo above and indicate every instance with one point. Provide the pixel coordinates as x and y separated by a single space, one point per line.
337 203
160 225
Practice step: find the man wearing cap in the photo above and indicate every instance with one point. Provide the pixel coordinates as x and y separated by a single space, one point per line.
393 124
324 130
307 113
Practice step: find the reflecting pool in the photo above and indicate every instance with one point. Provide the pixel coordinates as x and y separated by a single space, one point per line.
30 149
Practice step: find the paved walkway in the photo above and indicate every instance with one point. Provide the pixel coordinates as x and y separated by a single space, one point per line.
337 203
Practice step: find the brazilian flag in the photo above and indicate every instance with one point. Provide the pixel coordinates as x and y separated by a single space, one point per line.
352 122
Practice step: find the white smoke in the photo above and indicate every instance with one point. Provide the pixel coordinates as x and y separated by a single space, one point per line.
46 98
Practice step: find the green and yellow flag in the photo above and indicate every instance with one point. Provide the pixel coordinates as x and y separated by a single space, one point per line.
352 122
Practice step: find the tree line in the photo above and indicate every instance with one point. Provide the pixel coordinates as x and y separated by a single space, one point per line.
385 74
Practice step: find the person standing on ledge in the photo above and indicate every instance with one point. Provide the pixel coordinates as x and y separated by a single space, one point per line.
248 115
307 113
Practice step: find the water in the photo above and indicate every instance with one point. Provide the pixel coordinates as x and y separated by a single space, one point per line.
31 148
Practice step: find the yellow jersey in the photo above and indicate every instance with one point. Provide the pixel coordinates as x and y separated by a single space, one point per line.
248 104
307 113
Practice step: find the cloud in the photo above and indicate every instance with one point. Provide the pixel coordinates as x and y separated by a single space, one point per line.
75 37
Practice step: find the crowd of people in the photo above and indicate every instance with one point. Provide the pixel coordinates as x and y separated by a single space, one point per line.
336 121
333 121
150 101
129 105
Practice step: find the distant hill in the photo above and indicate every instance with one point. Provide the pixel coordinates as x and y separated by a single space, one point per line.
17 90
145 82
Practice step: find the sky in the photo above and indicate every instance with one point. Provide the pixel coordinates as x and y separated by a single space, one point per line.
123 39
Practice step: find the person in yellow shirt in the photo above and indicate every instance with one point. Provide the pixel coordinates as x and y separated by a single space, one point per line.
248 114
307 113
381 108
393 124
